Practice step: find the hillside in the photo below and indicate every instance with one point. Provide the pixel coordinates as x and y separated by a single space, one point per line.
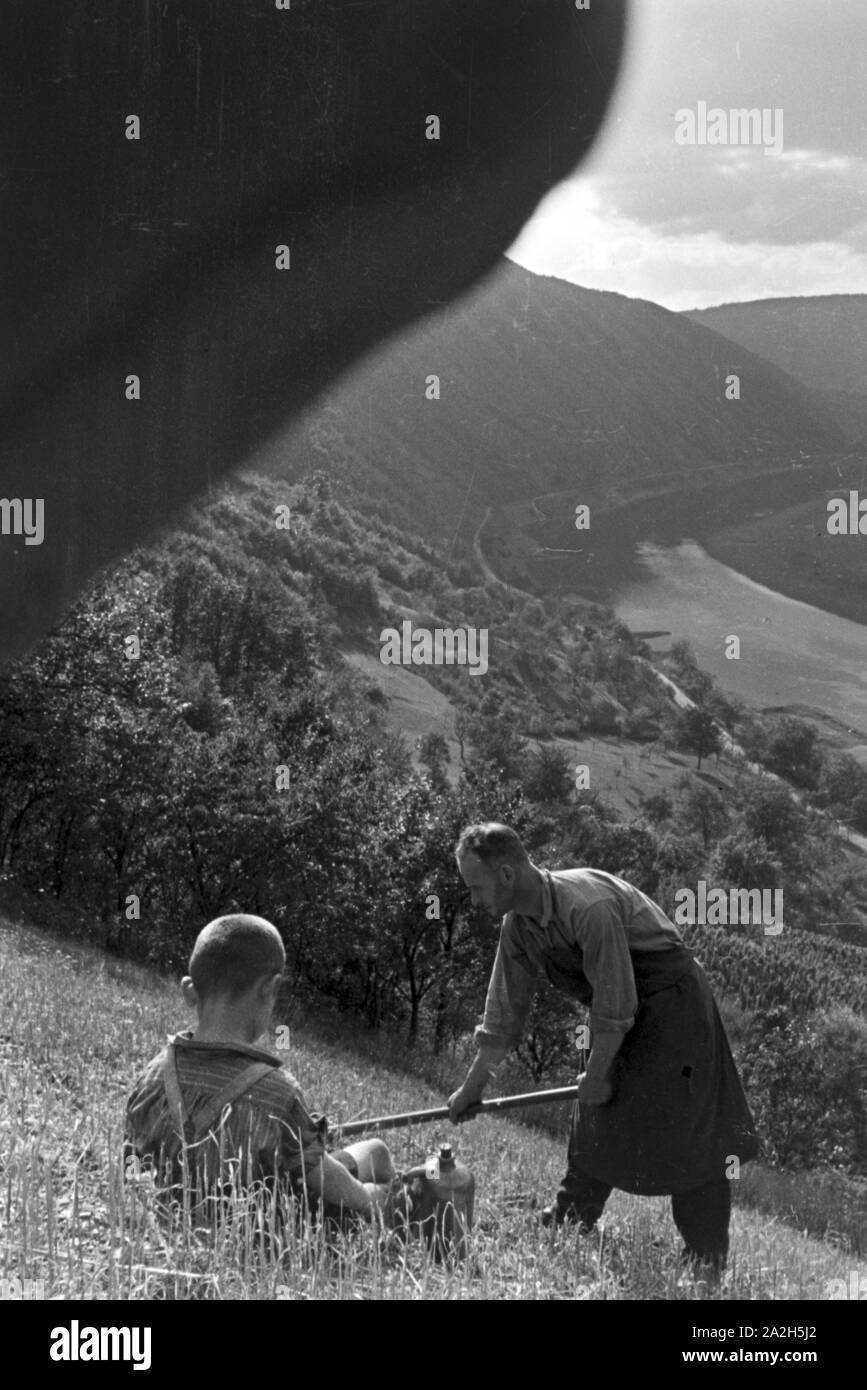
548 387
260 651
249 758
77 1028
254 753
821 340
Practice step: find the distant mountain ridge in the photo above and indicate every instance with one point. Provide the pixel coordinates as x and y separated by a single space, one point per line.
544 385
821 339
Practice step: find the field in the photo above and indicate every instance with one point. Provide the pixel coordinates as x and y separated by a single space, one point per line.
791 654
78 1025
792 552
623 772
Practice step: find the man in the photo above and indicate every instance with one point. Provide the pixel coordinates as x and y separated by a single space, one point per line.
661 1109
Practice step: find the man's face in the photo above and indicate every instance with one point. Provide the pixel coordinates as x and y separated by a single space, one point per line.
491 887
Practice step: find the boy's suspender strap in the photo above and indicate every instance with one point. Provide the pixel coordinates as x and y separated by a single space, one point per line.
174 1097
229 1094
192 1133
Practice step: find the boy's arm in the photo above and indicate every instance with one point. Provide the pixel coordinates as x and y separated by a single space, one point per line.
315 1170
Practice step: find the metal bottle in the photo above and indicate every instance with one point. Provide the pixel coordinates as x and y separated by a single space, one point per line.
442 1191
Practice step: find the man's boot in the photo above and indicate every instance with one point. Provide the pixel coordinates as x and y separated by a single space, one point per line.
580 1201
702 1271
563 1212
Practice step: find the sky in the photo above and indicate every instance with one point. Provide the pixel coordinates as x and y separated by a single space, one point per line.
691 225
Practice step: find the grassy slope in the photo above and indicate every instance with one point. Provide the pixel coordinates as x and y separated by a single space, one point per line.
415 707
623 770
77 1026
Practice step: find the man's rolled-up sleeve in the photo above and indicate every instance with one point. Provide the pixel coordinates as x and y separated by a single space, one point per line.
608 967
510 992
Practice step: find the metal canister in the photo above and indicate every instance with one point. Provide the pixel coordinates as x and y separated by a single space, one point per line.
442 1193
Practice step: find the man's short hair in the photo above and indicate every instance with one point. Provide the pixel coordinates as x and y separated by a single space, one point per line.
233 953
493 844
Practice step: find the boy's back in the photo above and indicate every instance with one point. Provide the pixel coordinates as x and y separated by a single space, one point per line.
267 1135
213 1117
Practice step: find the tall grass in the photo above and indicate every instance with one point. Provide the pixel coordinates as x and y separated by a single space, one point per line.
76 1028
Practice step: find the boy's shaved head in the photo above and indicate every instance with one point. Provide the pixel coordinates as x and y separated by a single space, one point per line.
234 952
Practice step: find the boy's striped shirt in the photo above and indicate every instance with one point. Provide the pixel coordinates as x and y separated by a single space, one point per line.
267 1135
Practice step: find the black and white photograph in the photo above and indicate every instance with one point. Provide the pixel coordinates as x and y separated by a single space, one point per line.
433 668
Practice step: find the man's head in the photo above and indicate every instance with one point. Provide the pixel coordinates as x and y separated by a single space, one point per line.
494 865
237 964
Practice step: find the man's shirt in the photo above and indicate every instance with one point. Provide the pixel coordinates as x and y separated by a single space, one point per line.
596 916
268 1134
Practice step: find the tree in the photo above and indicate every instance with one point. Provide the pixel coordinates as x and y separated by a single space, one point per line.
793 752
549 775
842 789
703 807
697 684
433 752
804 1075
771 814
727 711
496 744
548 1045
744 861
696 730
657 807
201 700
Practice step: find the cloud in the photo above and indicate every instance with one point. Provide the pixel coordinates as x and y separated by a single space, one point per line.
701 224
577 237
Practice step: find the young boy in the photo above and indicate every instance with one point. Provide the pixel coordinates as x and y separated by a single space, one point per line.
213 1114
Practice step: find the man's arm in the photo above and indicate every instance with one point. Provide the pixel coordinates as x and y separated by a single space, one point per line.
510 993
596 1086
487 1059
608 967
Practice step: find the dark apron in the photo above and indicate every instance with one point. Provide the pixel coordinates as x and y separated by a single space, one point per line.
678 1116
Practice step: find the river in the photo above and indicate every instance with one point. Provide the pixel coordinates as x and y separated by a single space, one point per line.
791 653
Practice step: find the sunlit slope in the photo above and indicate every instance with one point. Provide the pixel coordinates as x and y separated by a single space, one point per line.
544 386
77 1028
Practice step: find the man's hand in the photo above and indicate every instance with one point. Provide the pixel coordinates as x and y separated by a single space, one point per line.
594 1090
484 1067
460 1101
